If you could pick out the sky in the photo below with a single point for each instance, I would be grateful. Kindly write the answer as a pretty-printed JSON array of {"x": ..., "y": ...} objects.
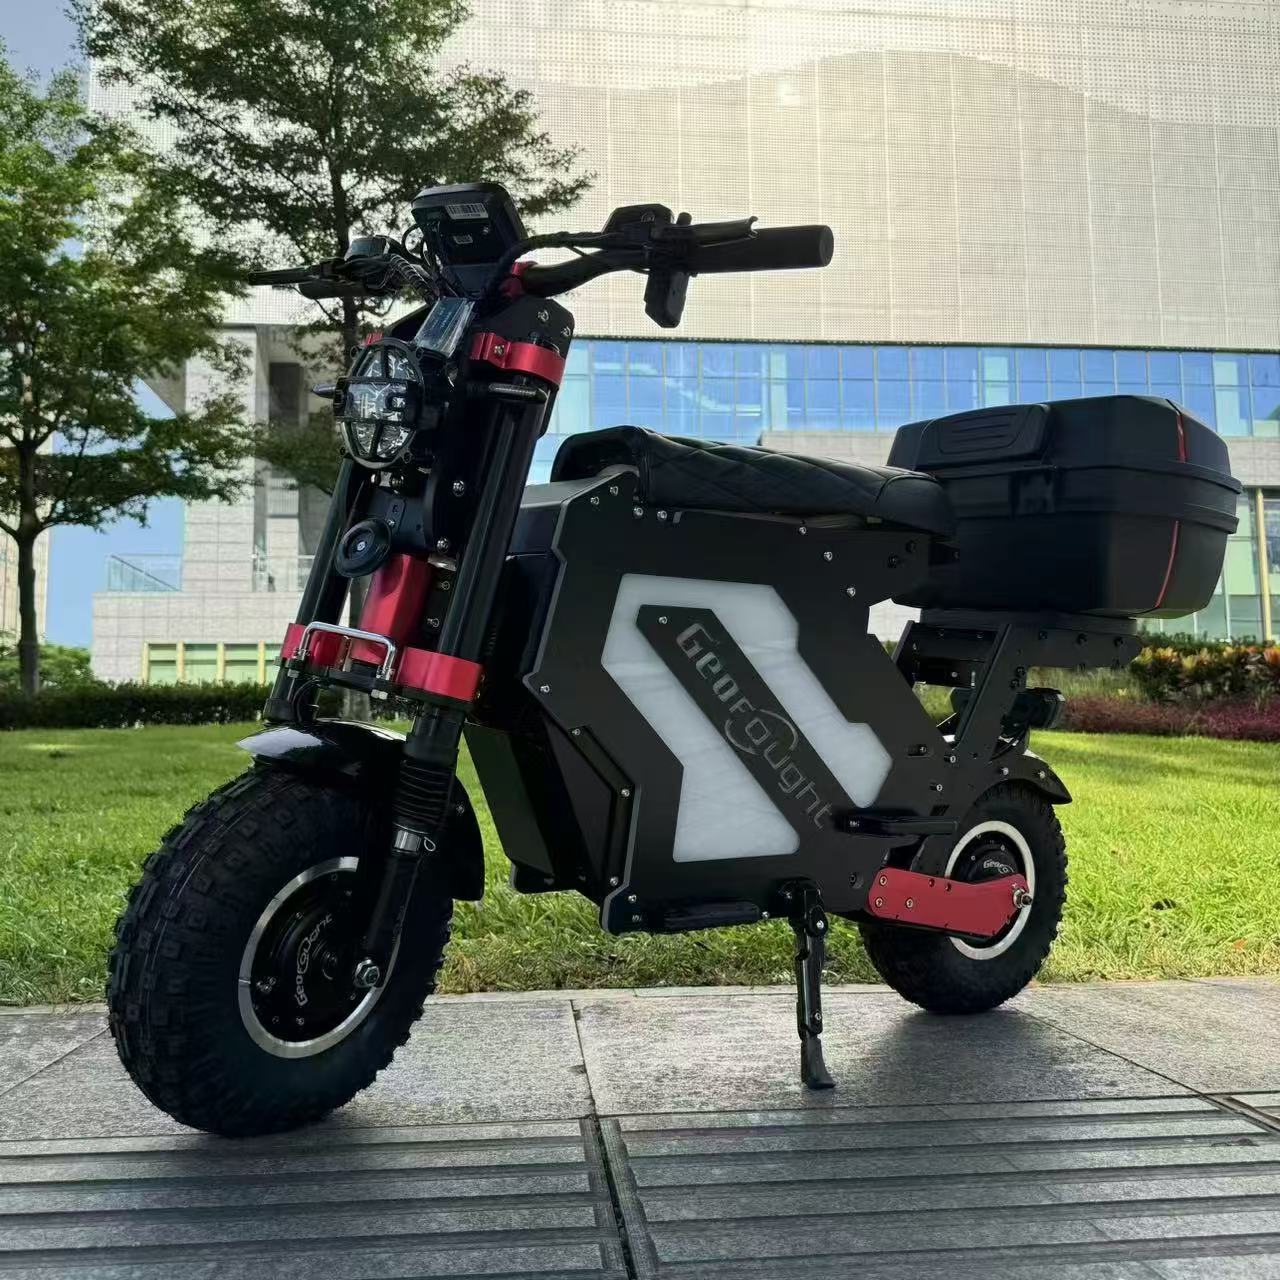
[{"x": 39, "y": 37}]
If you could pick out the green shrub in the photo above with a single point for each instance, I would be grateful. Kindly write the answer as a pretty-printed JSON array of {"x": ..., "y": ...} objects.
[
  {"x": 61, "y": 665},
  {"x": 1168, "y": 674},
  {"x": 105, "y": 706}
]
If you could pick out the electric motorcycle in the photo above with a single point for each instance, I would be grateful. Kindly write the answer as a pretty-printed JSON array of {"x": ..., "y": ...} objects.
[{"x": 661, "y": 665}]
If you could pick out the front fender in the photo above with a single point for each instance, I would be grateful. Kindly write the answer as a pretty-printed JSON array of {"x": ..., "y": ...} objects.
[{"x": 366, "y": 758}]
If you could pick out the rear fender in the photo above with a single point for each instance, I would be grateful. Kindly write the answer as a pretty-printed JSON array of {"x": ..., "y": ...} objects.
[
  {"x": 1027, "y": 767},
  {"x": 366, "y": 759}
]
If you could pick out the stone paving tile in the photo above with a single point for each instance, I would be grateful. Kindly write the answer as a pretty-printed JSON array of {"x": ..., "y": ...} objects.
[
  {"x": 463, "y": 1062},
  {"x": 742, "y": 1053},
  {"x": 1216, "y": 1037},
  {"x": 29, "y": 1043}
]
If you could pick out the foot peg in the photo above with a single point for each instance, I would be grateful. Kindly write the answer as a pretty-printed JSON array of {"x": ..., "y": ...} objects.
[{"x": 809, "y": 925}]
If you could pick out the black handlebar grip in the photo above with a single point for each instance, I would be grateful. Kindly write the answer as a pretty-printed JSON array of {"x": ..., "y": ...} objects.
[
  {"x": 287, "y": 275},
  {"x": 773, "y": 249}
]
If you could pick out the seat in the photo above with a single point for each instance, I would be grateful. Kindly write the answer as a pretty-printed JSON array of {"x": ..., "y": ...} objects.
[{"x": 683, "y": 473}]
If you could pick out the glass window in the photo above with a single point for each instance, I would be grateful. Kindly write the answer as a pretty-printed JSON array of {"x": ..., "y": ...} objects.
[
  {"x": 573, "y": 407},
  {"x": 644, "y": 357},
  {"x": 1032, "y": 366},
  {"x": 1199, "y": 400},
  {"x": 682, "y": 360},
  {"x": 928, "y": 399},
  {"x": 749, "y": 407},
  {"x": 750, "y": 359},
  {"x": 823, "y": 362},
  {"x": 579, "y": 360},
  {"x": 608, "y": 357},
  {"x": 1266, "y": 411},
  {"x": 1064, "y": 374},
  {"x": 1131, "y": 370},
  {"x": 823, "y": 404},
  {"x": 1162, "y": 367},
  {"x": 1232, "y": 404},
  {"x": 997, "y": 365},
  {"x": 891, "y": 363},
  {"x": 962, "y": 394},
  {"x": 1099, "y": 373},
  {"x": 1230, "y": 371},
  {"x": 994, "y": 393},
  {"x": 795, "y": 362},
  {"x": 608, "y": 399},
  {"x": 1032, "y": 392},
  {"x": 858, "y": 362},
  {"x": 859, "y": 396},
  {"x": 1170, "y": 390},
  {"x": 926, "y": 364},
  {"x": 1264, "y": 371},
  {"x": 1197, "y": 368},
  {"x": 893, "y": 404},
  {"x": 645, "y": 409},
  {"x": 717, "y": 358},
  {"x": 962, "y": 362}
]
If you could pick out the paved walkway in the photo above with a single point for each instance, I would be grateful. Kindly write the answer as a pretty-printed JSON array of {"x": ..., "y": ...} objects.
[{"x": 1109, "y": 1132}]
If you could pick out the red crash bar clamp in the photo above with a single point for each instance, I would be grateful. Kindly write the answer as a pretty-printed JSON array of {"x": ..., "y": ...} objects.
[
  {"x": 956, "y": 906},
  {"x": 518, "y": 357},
  {"x": 422, "y": 669}
]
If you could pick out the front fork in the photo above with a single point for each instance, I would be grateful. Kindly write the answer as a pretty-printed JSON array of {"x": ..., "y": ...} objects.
[{"x": 423, "y": 790}]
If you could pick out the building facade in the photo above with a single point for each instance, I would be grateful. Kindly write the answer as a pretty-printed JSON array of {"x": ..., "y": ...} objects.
[{"x": 1032, "y": 199}]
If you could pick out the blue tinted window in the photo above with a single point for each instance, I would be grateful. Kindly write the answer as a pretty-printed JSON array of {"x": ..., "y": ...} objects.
[
  {"x": 1131, "y": 369},
  {"x": 1099, "y": 368},
  {"x": 1232, "y": 404},
  {"x": 1197, "y": 368},
  {"x": 578, "y": 359},
  {"x": 1163, "y": 367},
  {"x": 928, "y": 399},
  {"x": 823, "y": 362},
  {"x": 1064, "y": 368},
  {"x": 1230, "y": 371},
  {"x": 893, "y": 404},
  {"x": 1032, "y": 367},
  {"x": 997, "y": 364},
  {"x": 1032, "y": 392},
  {"x": 682, "y": 360},
  {"x": 1199, "y": 400},
  {"x": 750, "y": 360},
  {"x": 891, "y": 363},
  {"x": 927, "y": 364},
  {"x": 859, "y": 403},
  {"x": 608, "y": 357},
  {"x": 823, "y": 403},
  {"x": 717, "y": 358},
  {"x": 994, "y": 393},
  {"x": 858, "y": 362},
  {"x": 962, "y": 394},
  {"x": 961, "y": 363},
  {"x": 1264, "y": 371},
  {"x": 646, "y": 400},
  {"x": 1266, "y": 416},
  {"x": 573, "y": 407},
  {"x": 644, "y": 357},
  {"x": 1170, "y": 391},
  {"x": 608, "y": 399}
]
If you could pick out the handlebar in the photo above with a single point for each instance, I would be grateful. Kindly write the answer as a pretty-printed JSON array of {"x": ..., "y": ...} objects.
[{"x": 775, "y": 249}]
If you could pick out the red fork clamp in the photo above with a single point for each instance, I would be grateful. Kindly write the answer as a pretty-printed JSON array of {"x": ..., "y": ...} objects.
[{"x": 980, "y": 910}]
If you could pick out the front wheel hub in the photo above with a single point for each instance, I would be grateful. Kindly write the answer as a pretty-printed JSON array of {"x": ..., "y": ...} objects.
[{"x": 301, "y": 990}]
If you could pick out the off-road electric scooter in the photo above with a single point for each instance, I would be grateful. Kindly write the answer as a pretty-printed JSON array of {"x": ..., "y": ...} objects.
[{"x": 661, "y": 664}]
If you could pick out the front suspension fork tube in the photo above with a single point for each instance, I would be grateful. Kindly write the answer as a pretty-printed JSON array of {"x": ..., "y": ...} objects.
[
  {"x": 429, "y": 762},
  {"x": 326, "y": 589}
]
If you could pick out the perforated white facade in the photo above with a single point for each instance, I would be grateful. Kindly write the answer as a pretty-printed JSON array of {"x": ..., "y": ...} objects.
[{"x": 1043, "y": 171}]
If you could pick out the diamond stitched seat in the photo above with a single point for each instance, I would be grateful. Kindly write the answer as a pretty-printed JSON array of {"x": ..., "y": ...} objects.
[{"x": 679, "y": 472}]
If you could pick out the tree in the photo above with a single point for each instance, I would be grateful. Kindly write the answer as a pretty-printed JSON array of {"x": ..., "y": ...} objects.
[
  {"x": 302, "y": 122},
  {"x": 82, "y": 324},
  {"x": 62, "y": 666}
]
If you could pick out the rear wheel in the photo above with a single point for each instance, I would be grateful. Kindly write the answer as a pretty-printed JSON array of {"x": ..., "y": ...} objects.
[
  {"x": 1010, "y": 830},
  {"x": 232, "y": 996}
]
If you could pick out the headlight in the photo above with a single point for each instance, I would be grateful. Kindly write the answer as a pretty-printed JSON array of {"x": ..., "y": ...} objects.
[{"x": 381, "y": 401}]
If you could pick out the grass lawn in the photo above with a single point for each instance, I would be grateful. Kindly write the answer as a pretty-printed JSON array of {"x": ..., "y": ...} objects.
[{"x": 1175, "y": 846}]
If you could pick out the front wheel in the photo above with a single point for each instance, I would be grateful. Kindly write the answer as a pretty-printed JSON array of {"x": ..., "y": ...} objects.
[
  {"x": 231, "y": 995},
  {"x": 1010, "y": 830}
]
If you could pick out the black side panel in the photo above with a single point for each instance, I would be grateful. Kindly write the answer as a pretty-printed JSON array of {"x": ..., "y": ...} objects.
[{"x": 365, "y": 759}]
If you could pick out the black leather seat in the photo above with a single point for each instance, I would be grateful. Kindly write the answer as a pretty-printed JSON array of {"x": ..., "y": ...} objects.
[{"x": 684, "y": 473}]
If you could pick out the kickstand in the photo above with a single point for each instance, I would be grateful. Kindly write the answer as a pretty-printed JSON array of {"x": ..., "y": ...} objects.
[{"x": 809, "y": 924}]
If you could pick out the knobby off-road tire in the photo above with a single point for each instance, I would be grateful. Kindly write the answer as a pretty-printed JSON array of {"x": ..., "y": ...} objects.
[
  {"x": 1012, "y": 824},
  {"x": 177, "y": 1012}
]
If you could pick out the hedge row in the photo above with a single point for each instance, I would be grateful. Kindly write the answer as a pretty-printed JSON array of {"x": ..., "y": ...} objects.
[
  {"x": 1232, "y": 671},
  {"x": 121, "y": 706},
  {"x": 1228, "y": 718}
]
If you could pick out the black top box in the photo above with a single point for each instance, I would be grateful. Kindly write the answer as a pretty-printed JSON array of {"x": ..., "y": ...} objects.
[{"x": 1117, "y": 506}]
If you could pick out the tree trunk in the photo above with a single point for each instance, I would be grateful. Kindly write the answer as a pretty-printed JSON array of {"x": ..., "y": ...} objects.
[{"x": 28, "y": 622}]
